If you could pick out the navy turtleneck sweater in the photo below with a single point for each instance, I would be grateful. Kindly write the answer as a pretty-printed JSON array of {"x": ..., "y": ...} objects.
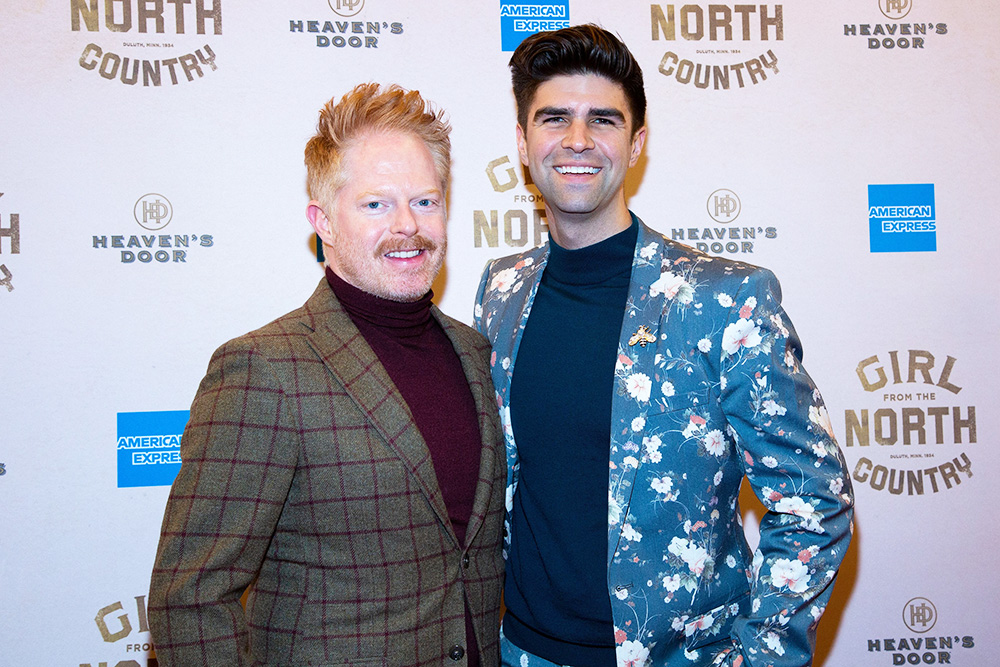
[
  {"x": 422, "y": 363},
  {"x": 556, "y": 590}
]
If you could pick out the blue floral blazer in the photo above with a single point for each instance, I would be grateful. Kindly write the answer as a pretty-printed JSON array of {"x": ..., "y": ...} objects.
[{"x": 709, "y": 388}]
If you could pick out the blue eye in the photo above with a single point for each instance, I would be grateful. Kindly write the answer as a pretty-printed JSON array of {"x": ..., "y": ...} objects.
[
  {"x": 424, "y": 202},
  {"x": 372, "y": 205}
]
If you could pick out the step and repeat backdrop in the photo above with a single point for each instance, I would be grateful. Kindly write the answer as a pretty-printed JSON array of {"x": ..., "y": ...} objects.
[{"x": 152, "y": 206}]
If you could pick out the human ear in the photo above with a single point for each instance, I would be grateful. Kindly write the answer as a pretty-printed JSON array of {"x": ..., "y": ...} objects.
[
  {"x": 320, "y": 223},
  {"x": 522, "y": 149},
  {"x": 638, "y": 141}
]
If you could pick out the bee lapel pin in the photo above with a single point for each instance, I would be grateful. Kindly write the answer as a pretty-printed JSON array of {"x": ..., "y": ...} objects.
[{"x": 642, "y": 336}]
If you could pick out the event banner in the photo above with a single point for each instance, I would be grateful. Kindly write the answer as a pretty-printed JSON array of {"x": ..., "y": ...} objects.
[{"x": 152, "y": 207}]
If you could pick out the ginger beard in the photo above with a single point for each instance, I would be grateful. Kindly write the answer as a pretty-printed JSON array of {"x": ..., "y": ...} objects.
[{"x": 399, "y": 278}]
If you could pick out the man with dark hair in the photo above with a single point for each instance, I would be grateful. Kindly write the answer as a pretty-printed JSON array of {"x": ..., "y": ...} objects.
[
  {"x": 639, "y": 381},
  {"x": 583, "y": 49},
  {"x": 345, "y": 461}
]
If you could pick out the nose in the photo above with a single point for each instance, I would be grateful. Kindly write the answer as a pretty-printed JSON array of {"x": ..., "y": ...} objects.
[
  {"x": 404, "y": 222},
  {"x": 577, "y": 137}
]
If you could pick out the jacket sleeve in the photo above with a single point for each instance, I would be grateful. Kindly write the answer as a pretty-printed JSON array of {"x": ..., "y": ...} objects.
[
  {"x": 785, "y": 440},
  {"x": 238, "y": 459}
]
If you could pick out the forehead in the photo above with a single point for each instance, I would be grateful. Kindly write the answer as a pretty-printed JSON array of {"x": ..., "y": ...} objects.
[
  {"x": 388, "y": 157},
  {"x": 580, "y": 92}
]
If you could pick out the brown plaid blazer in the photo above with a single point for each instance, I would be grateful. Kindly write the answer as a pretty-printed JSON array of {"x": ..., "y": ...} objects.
[{"x": 305, "y": 478}]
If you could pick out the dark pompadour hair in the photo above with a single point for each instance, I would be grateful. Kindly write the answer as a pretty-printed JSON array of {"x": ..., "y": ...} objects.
[{"x": 580, "y": 49}]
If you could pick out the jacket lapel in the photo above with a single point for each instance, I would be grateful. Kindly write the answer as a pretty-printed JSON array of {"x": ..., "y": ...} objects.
[
  {"x": 481, "y": 386},
  {"x": 350, "y": 359},
  {"x": 513, "y": 318},
  {"x": 645, "y": 309}
]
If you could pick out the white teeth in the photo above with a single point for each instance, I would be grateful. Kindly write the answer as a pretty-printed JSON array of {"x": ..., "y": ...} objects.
[
  {"x": 403, "y": 254},
  {"x": 577, "y": 170}
]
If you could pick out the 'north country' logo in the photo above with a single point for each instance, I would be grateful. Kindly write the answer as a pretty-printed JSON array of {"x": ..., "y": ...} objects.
[
  {"x": 709, "y": 45},
  {"x": 12, "y": 234},
  {"x": 912, "y": 415},
  {"x": 522, "y": 18},
  {"x": 519, "y": 211},
  {"x": 901, "y": 218},
  {"x": 128, "y": 631},
  {"x": 149, "y": 447},
  {"x": 135, "y": 31}
]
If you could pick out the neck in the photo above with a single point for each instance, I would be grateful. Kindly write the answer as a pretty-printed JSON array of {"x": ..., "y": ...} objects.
[
  {"x": 579, "y": 230},
  {"x": 404, "y": 317}
]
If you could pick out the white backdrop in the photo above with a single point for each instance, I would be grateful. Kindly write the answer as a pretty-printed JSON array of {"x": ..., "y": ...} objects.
[{"x": 822, "y": 115}]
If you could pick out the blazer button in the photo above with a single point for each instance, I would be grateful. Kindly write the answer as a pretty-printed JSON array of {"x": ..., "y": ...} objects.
[
  {"x": 456, "y": 653},
  {"x": 465, "y": 561}
]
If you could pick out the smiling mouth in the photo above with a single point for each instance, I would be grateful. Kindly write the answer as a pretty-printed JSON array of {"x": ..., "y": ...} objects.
[
  {"x": 578, "y": 170},
  {"x": 403, "y": 254}
]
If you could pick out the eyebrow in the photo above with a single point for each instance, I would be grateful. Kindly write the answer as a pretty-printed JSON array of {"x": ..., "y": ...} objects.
[
  {"x": 609, "y": 112},
  {"x": 388, "y": 192},
  {"x": 429, "y": 194}
]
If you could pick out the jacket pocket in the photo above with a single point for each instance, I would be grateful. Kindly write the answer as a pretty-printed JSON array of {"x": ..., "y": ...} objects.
[
  {"x": 685, "y": 400},
  {"x": 675, "y": 411},
  {"x": 709, "y": 628}
]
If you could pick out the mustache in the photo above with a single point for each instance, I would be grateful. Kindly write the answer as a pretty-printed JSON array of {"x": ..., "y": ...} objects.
[{"x": 415, "y": 242}]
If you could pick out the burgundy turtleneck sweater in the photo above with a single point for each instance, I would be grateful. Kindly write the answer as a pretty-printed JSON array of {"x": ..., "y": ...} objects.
[{"x": 423, "y": 364}]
